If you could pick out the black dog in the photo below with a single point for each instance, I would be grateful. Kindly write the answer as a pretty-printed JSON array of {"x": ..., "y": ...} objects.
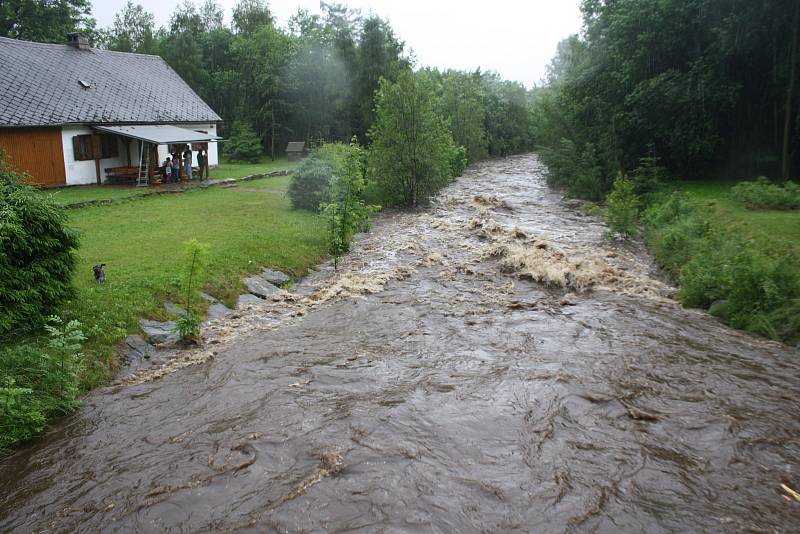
[{"x": 99, "y": 273}]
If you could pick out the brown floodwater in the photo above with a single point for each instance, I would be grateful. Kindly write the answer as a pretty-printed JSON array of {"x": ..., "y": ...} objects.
[{"x": 490, "y": 363}]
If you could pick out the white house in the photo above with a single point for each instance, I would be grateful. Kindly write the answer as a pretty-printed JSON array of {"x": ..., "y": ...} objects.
[{"x": 71, "y": 114}]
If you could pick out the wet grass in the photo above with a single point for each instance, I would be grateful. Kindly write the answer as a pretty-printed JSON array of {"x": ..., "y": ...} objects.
[
  {"x": 141, "y": 244},
  {"x": 226, "y": 169},
  {"x": 771, "y": 231}
]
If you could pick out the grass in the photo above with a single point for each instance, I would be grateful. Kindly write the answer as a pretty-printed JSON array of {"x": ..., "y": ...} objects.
[
  {"x": 141, "y": 244},
  {"x": 739, "y": 263},
  {"x": 771, "y": 231},
  {"x": 226, "y": 169}
]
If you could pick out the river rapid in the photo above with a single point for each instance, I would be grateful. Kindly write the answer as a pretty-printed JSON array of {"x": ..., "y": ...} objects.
[{"x": 490, "y": 363}]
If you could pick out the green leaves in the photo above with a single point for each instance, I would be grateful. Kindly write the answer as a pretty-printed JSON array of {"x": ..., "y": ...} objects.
[
  {"x": 412, "y": 150},
  {"x": 36, "y": 253}
]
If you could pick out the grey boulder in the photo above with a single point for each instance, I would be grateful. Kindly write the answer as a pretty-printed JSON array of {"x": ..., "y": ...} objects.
[
  {"x": 157, "y": 332},
  {"x": 275, "y": 277},
  {"x": 260, "y": 287}
]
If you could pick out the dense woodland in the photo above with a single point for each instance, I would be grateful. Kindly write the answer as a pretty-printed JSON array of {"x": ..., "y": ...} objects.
[
  {"x": 709, "y": 87},
  {"x": 314, "y": 80}
]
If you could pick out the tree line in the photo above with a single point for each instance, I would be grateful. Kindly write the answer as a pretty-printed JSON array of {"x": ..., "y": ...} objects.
[
  {"x": 708, "y": 87},
  {"x": 313, "y": 80}
]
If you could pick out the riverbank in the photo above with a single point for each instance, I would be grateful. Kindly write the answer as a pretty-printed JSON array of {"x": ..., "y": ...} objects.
[
  {"x": 739, "y": 264},
  {"x": 246, "y": 225}
]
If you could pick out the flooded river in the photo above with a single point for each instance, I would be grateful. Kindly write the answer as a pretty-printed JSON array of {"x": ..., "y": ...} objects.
[{"x": 488, "y": 364}]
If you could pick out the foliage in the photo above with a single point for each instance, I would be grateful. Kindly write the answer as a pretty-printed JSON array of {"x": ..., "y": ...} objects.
[
  {"x": 346, "y": 213},
  {"x": 623, "y": 207},
  {"x": 36, "y": 253},
  {"x": 46, "y": 22},
  {"x": 311, "y": 182},
  {"x": 244, "y": 144},
  {"x": 39, "y": 380},
  {"x": 458, "y": 161},
  {"x": 762, "y": 194},
  {"x": 578, "y": 171},
  {"x": 195, "y": 262},
  {"x": 649, "y": 176},
  {"x": 703, "y": 83},
  {"x": 412, "y": 150},
  {"x": 132, "y": 31},
  {"x": 746, "y": 286}
]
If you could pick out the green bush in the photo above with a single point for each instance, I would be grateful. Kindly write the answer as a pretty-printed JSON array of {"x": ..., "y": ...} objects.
[
  {"x": 346, "y": 213},
  {"x": 721, "y": 271},
  {"x": 39, "y": 380},
  {"x": 623, "y": 207},
  {"x": 311, "y": 181},
  {"x": 244, "y": 144},
  {"x": 36, "y": 253},
  {"x": 458, "y": 161},
  {"x": 762, "y": 194},
  {"x": 649, "y": 177}
]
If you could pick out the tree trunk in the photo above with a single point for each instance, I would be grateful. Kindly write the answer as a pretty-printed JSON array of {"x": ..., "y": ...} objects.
[
  {"x": 272, "y": 135},
  {"x": 787, "y": 119}
]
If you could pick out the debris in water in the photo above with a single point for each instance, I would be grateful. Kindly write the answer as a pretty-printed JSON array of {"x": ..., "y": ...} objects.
[{"x": 792, "y": 493}]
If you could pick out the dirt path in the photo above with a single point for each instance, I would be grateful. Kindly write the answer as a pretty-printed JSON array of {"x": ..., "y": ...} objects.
[{"x": 490, "y": 364}]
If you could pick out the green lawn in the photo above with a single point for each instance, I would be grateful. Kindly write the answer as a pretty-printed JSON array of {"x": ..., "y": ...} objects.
[
  {"x": 770, "y": 230},
  {"x": 226, "y": 169},
  {"x": 141, "y": 244}
]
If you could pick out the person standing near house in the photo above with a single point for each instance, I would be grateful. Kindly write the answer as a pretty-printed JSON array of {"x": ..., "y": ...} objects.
[
  {"x": 176, "y": 166},
  {"x": 166, "y": 170},
  {"x": 187, "y": 162},
  {"x": 201, "y": 161}
]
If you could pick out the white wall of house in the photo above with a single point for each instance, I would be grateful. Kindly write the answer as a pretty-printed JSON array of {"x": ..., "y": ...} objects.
[{"x": 84, "y": 172}]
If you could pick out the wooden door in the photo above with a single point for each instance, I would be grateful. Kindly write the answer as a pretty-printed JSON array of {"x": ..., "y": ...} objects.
[{"x": 37, "y": 151}]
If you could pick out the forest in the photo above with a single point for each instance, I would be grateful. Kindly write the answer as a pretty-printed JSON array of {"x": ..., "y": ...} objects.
[{"x": 706, "y": 86}]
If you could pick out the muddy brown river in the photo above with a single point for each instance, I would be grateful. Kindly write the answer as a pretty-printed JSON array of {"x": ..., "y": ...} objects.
[{"x": 488, "y": 364}]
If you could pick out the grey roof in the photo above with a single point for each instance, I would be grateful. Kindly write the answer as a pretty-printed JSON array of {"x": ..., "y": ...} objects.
[
  {"x": 296, "y": 146},
  {"x": 42, "y": 84}
]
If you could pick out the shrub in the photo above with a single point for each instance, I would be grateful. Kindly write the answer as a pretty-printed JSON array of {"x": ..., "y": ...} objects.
[
  {"x": 244, "y": 144},
  {"x": 762, "y": 194},
  {"x": 721, "y": 271},
  {"x": 346, "y": 213},
  {"x": 196, "y": 256},
  {"x": 649, "y": 177},
  {"x": 36, "y": 253},
  {"x": 458, "y": 161},
  {"x": 311, "y": 181},
  {"x": 39, "y": 381},
  {"x": 623, "y": 207}
]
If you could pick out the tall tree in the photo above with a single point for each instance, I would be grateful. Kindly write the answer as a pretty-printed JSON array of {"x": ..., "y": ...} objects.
[
  {"x": 44, "y": 21},
  {"x": 132, "y": 30},
  {"x": 411, "y": 152},
  {"x": 250, "y": 15}
]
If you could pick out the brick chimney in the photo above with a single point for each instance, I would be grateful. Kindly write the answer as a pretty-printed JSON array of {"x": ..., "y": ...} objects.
[{"x": 78, "y": 40}]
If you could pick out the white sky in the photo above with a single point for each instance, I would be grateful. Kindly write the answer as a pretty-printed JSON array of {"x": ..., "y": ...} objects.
[{"x": 517, "y": 38}]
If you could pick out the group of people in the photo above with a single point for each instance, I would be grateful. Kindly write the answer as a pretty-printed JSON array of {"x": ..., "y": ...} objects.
[{"x": 171, "y": 168}]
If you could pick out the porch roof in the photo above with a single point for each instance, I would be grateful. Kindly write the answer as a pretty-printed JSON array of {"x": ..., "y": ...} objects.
[{"x": 159, "y": 134}]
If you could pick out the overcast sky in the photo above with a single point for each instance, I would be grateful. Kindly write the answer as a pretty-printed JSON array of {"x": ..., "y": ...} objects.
[{"x": 517, "y": 38}]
